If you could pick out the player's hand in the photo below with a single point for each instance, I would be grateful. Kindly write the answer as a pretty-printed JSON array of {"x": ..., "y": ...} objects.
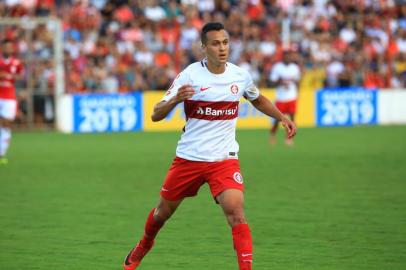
[
  {"x": 184, "y": 92},
  {"x": 287, "y": 82},
  {"x": 289, "y": 126}
]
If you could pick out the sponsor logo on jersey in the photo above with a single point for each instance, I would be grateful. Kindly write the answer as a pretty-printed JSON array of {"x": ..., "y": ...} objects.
[
  {"x": 218, "y": 110},
  {"x": 238, "y": 177},
  {"x": 214, "y": 112},
  {"x": 234, "y": 89}
]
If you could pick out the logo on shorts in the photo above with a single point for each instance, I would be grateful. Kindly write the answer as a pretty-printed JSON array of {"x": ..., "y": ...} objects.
[
  {"x": 238, "y": 178},
  {"x": 234, "y": 89}
]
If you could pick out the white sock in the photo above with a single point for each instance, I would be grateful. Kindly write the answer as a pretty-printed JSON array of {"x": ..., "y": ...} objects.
[{"x": 5, "y": 137}]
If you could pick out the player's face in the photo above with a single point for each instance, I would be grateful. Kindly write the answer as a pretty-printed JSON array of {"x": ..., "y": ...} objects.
[
  {"x": 287, "y": 58},
  {"x": 8, "y": 49},
  {"x": 217, "y": 47}
]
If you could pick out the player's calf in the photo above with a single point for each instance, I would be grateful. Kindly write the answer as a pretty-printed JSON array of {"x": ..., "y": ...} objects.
[{"x": 243, "y": 246}]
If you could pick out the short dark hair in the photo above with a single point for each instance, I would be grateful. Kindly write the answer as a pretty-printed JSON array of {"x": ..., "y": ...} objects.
[
  {"x": 6, "y": 40},
  {"x": 211, "y": 26}
]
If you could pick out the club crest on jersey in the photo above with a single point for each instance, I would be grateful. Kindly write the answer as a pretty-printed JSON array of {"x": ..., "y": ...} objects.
[
  {"x": 238, "y": 177},
  {"x": 234, "y": 89}
]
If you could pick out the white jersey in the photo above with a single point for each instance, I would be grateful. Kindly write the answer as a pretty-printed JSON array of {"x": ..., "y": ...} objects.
[
  {"x": 211, "y": 114},
  {"x": 290, "y": 72}
]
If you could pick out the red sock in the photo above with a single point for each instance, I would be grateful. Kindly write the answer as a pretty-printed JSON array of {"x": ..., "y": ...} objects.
[
  {"x": 243, "y": 245},
  {"x": 152, "y": 228}
]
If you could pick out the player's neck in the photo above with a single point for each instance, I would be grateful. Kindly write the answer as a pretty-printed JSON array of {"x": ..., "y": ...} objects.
[{"x": 216, "y": 68}]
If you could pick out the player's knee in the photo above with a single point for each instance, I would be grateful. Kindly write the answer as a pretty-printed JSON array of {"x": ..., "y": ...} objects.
[
  {"x": 162, "y": 213},
  {"x": 235, "y": 216},
  {"x": 162, "y": 216},
  {"x": 159, "y": 217},
  {"x": 5, "y": 123},
  {"x": 238, "y": 220}
]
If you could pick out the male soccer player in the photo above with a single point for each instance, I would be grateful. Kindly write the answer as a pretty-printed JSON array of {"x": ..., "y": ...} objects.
[
  {"x": 207, "y": 151},
  {"x": 285, "y": 75},
  {"x": 9, "y": 68}
]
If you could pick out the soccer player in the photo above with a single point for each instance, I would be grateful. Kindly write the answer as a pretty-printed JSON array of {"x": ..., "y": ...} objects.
[
  {"x": 285, "y": 76},
  {"x": 10, "y": 67},
  {"x": 207, "y": 151}
]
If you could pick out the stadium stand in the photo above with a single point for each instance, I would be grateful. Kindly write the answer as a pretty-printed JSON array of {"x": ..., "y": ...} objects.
[{"x": 129, "y": 45}]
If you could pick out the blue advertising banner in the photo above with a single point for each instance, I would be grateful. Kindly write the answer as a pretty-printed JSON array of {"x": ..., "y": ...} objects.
[
  {"x": 346, "y": 107},
  {"x": 107, "y": 113}
]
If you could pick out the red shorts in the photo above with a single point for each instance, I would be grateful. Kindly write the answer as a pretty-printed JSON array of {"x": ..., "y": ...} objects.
[
  {"x": 286, "y": 107},
  {"x": 185, "y": 178}
]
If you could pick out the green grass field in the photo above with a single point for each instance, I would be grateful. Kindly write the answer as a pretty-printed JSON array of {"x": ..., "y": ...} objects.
[{"x": 336, "y": 200}]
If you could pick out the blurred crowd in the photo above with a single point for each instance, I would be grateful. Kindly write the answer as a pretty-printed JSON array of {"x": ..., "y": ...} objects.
[{"x": 129, "y": 45}]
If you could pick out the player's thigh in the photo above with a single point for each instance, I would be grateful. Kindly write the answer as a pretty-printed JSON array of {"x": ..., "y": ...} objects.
[
  {"x": 231, "y": 199},
  {"x": 224, "y": 175},
  {"x": 183, "y": 179},
  {"x": 166, "y": 208}
]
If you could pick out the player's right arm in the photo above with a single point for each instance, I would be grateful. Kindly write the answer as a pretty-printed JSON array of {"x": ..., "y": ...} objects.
[
  {"x": 179, "y": 91},
  {"x": 163, "y": 108}
]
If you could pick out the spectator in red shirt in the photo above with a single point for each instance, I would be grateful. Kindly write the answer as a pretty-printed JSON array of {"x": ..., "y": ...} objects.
[{"x": 10, "y": 67}]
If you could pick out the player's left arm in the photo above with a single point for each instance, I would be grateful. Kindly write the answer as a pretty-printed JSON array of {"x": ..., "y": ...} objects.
[{"x": 265, "y": 105}]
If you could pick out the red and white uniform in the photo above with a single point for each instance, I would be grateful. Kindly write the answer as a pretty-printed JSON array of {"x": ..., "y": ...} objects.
[
  {"x": 286, "y": 91},
  {"x": 207, "y": 150},
  {"x": 9, "y": 67},
  {"x": 212, "y": 111}
]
